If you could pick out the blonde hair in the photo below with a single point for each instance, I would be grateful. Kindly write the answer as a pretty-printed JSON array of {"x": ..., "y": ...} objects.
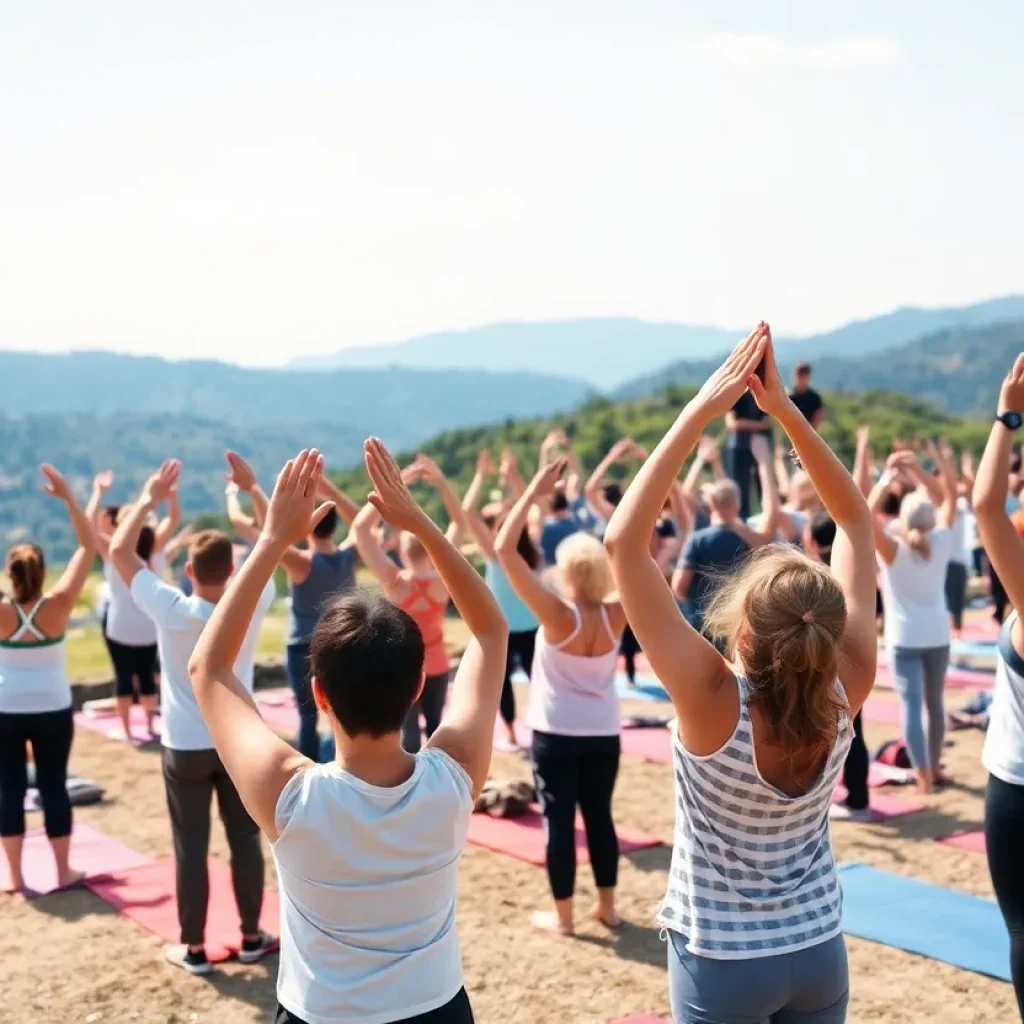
[
  {"x": 586, "y": 571},
  {"x": 783, "y": 616},
  {"x": 724, "y": 493},
  {"x": 916, "y": 522},
  {"x": 411, "y": 548}
]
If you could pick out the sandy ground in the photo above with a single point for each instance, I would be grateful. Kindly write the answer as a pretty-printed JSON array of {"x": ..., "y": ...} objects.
[{"x": 68, "y": 957}]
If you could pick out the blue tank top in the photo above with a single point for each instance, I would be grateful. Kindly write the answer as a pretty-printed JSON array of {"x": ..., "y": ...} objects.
[
  {"x": 329, "y": 575},
  {"x": 519, "y": 618}
]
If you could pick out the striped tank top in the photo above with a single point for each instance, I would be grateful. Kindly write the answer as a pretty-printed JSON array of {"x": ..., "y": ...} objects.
[{"x": 753, "y": 873}]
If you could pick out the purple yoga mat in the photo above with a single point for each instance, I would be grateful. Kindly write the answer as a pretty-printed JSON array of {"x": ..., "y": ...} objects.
[
  {"x": 109, "y": 725},
  {"x": 91, "y": 851}
]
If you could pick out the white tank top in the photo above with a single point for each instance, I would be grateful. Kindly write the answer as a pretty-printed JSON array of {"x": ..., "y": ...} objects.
[
  {"x": 127, "y": 623},
  {"x": 368, "y": 878},
  {"x": 33, "y": 673},
  {"x": 753, "y": 873},
  {"x": 574, "y": 694},
  {"x": 1003, "y": 755}
]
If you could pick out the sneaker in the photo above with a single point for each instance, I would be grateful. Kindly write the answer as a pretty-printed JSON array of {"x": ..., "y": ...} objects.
[
  {"x": 188, "y": 960},
  {"x": 254, "y": 950},
  {"x": 506, "y": 746},
  {"x": 840, "y": 812}
]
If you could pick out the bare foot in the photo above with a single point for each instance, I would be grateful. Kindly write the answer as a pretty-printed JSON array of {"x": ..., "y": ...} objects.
[
  {"x": 547, "y": 921},
  {"x": 609, "y": 920},
  {"x": 69, "y": 878},
  {"x": 13, "y": 887}
]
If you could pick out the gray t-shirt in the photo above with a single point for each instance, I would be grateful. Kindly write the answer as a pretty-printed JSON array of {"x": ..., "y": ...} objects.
[
  {"x": 329, "y": 575},
  {"x": 709, "y": 554}
]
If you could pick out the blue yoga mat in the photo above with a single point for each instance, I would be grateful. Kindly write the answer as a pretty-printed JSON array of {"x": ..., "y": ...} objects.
[
  {"x": 973, "y": 649},
  {"x": 647, "y": 688},
  {"x": 941, "y": 924}
]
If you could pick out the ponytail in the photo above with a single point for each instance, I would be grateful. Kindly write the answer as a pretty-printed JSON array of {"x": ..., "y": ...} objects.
[{"x": 27, "y": 570}]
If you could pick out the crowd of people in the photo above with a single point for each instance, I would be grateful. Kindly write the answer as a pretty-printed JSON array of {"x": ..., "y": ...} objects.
[{"x": 756, "y": 597}]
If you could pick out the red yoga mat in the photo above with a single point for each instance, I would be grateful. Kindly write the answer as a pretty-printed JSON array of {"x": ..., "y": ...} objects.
[
  {"x": 882, "y": 711},
  {"x": 974, "y": 842},
  {"x": 91, "y": 851},
  {"x": 146, "y": 895},
  {"x": 523, "y": 837}
]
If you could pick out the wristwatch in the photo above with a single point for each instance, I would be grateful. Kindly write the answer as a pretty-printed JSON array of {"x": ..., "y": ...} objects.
[{"x": 1011, "y": 420}]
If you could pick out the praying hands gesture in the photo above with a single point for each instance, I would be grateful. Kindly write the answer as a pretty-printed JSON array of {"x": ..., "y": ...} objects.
[
  {"x": 158, "y": 487},
  {"x": 293, "y": 511},
  {"x": 390, "y": 495}
]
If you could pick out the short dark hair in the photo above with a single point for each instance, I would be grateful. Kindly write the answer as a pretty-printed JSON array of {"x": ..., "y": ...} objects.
[
  {"x": 327, "y": 525},
  {"x": 613, "y": 494},
  {"x": 559, "y": 502},
  {"x": 146, "y": 543},
  {"x": 368, "y": 655},
  {"x": 803, "y": 369},
  {"x": 113, "y": 511},
  {"x": 823, "y": 533},
  {"x": 528, "y": 550},
  {"x": 212, "y": 557},
  {"x": 892, "y": 501}
]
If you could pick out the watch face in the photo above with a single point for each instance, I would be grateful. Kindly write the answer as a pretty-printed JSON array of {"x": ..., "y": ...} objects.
[{"x": 1012, "y": 420}]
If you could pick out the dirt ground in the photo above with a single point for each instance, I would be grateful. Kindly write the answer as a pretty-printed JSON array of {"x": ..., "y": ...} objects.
[{"x": 69, "y": 957}]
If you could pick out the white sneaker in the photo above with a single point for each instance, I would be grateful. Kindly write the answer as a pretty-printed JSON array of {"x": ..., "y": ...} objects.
[
  {"x": 840, "y": 812},
  {"x": 183, "y": 957},
  {"x": 253, "y": 952}
]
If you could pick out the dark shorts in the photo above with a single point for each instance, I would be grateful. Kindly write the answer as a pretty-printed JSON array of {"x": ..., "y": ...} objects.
[
  {"x": 131, "y": 663},
  {"x": 458, "y": 1011}
]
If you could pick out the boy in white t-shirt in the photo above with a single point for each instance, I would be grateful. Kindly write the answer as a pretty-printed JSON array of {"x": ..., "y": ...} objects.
[
  {"x": 191, "y": 768},
  {"x": 367, "y": 847}
]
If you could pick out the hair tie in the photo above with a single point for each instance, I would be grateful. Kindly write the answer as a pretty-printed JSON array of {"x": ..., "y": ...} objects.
[{"x": 808, "y": 618}]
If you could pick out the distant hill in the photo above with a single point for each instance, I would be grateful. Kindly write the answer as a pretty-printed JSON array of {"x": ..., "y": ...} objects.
[
  {"x": 959, "y": 370},
  {"x": 608, "y": 352}
]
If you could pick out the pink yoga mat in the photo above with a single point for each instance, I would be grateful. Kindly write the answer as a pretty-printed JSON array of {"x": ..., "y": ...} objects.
[
  {"x": 91, "y": 851},
  {"x": 146, "y": 895},
  {"x": 649, "y": 744},
  {"x": 523, "y": 837},
  {"x": 109, "y": 725},
  {"x": 956, "y": 678},
  {"x": 883, "y": 805},
  {"x": 882, "y": 711},
  {"x": 971, "y": 841},
  {"x": 640, "y": 1018}
]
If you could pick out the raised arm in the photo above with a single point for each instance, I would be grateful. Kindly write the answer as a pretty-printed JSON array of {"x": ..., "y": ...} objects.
[
  {"x": 999, "y": 536},
  {"x": 259, "y": 762},
  {"x": 467, "y": 731},
  {"x": 177, "y": 542},
  {"x": 509, "y": 477},
  {"x": 430, "y": 473},
  {"x": 72, "y": 581},
  {"x": 782, "y": 468},
  {"x": 863, "y": 461},
  {"x": 125, "y": 541},
  {"x": 853, "y": 562},
  {"x": 593, "y": 490},
  {"x": 470, "y": 507},
  {"x": 574, "y": 471},
  {"x": 244, "y": 525},
  {"x": 373, "y": 555},
  {"x": 942, "y": 455},
  {"x": 347, "y": 508},
  {"x": 689, "y": 667},
  {"x": 554, "y": 614},
  {"x": 101, "y": 483},
  {"x": 167, "y": 526}
]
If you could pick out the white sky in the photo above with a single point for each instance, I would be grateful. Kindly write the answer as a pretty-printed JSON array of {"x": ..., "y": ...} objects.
[{"x": 256, "y": 180}]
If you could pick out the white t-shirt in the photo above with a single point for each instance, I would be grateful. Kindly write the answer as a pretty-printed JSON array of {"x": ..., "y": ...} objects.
[
  {"x": 1003, "y": 755},
  {"x": 179, "y": 621},
  {"x": 960, "y": 553},
  {"x": 126, "y": 623},
  {"x": 914, "y": 594},
  {"x": 368, "y": 879}
]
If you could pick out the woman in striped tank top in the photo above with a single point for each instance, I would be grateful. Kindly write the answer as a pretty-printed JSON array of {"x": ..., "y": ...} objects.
[{"x": 753, "y": 904}]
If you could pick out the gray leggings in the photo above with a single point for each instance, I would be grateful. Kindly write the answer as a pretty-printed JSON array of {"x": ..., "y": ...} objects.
[
  {"x": 810, "y": 986},
  {"x": 920, "y": 679}
]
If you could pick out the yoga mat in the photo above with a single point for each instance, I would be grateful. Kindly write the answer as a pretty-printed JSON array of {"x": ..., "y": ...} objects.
[
  {"x": 523, "y": 837},
  {"x": 974, "y": 648},
  {"x": 956, "y": 678},
  {"x": 646, "y": 689},
  {"x": 640, "y": 1018},
  {"x": 941, "y": 924},
  {"x": 884, "y": 805},
  {"x": 146, "y": 895},
  {"x": 91, "y": 851},
  {"x": 882, "y": 711},
  {"x": 974, "y": 842},
  {"x": 649, "y": 744},
  {"x": 110, "y": 727}
]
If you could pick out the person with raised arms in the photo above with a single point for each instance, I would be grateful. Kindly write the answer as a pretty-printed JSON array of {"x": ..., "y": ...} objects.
[
  {"x": 522, "y": 623},
  {"x": 573, "y": 706},
  {"x": 753, "y": 907},
  {"x": 419, "y": 591},
  {"x": 1003, "y": 755},
  {"x": 35, "y": 697},
  {"x": 367, "y": 847},
  {"x": 192, "y": 770}
]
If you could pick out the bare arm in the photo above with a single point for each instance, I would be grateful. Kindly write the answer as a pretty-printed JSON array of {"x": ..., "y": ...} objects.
[
  {"x": 373, "y": 555},
  {"x": 347, "y": 508},
  {"x": 72, "y": 581},
  {"x": 884, "y": 544},
  {"x": 470, "y": 504},
  {"x": 431, "y": 473},
  {"x": 123, "y": 545},
  {"x": 862, "y": 461},
  {"x": 245, "y": 526},
  {"x": 167, "y": 526},
  {"x": 593, "y": 490},
  {"x": 781, "y": 469},
  {"x": 947, "y": 474},
  {"x": 100, "y": 485}
]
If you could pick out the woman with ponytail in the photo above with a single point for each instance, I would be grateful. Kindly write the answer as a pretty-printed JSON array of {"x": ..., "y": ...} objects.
[
  {"x": 753, "y": 908},
  {"x": 35, "y": 698},
  {"x": 913, "y": 556}
]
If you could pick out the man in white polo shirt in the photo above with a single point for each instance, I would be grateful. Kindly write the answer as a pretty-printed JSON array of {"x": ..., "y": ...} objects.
[{"x": 192, "y": 770}]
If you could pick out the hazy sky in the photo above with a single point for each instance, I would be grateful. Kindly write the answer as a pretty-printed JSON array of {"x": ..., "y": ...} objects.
[{"x": 256, "y": 180}]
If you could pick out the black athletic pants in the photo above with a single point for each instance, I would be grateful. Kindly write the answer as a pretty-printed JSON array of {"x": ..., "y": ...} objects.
[
  {"x": 999, "y": 596},
  {"x": 458, "y": 1011},
  {"x": 1004, "y": 843},
  {"x": 855, "y": 770},
  {"x": 430, "y": 705},
  {"x": 741, "y": 466},
  {"x": 629, "y": 648},
  {"x": 956, "y": 592},
  {"x": 50, "y": 733},
  {"x": 571, "y": 772},
  {"x": 520, "y": 648}
]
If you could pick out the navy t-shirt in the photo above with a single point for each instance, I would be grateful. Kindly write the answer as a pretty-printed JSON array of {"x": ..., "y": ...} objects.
[
  {"x": 709, "y": 553},
  {"x": 554, "y": 532},
  {"x": 808, "y": 402},
  {"x": 746, "y": 408}
]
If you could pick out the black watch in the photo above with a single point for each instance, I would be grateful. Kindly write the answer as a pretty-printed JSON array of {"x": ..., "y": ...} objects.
[{"x": 1011, "y": 420}]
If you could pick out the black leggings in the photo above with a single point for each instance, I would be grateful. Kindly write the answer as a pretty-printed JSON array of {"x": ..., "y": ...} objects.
[
  {"x": 129, "y": 662},
  {"x": 571, "y": 771},
  {"x": 629, "y": 649},
  {"x": 458, "y": 1011},
  {"x": 956, "y": 592},
  {"x": 1004, "y": 843},
  {"x": 855, "y": 770},
  {"x": 431, "y": 705},
  {"x": 520, "y": 648},
  {"x": 999, "y": 597},
  {"x": 50, "y": 733}
]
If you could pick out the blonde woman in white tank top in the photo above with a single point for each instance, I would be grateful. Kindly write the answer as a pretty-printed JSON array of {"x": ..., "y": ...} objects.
[
  {"x": 753, "y": 909},
  {"x": 573, "y": 704},
  {"x": 35, "y": 698}
]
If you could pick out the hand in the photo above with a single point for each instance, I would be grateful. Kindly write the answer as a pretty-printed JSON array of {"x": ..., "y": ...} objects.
[
  {"x": 638, "y": 451},
  {"x": 771, "y": 396},
  {"x": 231, "y": 489},
  {"x": 707, "y": 450},
  {"x": 509, "y": 464},
  {"x": 544, "y": 483},
  {"x": 760, "y": 449},
  {"x": 946, "y": 451},
  {"x": 723, "y": 388},
  {"x": 429, "y": 470},
  {"x": 159, "y": 486},
  {"x": 390, "y": 495},
  {"x": 241, "y": 472},
  {"x": 292, "y": 512},
  {"x": 552, "y": 441},
  {"x": 411, "y": 473},
  {"x": 1011, "y": 395},
  {"x": 102, "y": 482},
  {"x": 902, "y": 461},
  {"x": 56, "y": 486},
  {"x": 484, "y": 465},
  {"x": 622, "y": 449},
  {"x": 863, "y": 436}
]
